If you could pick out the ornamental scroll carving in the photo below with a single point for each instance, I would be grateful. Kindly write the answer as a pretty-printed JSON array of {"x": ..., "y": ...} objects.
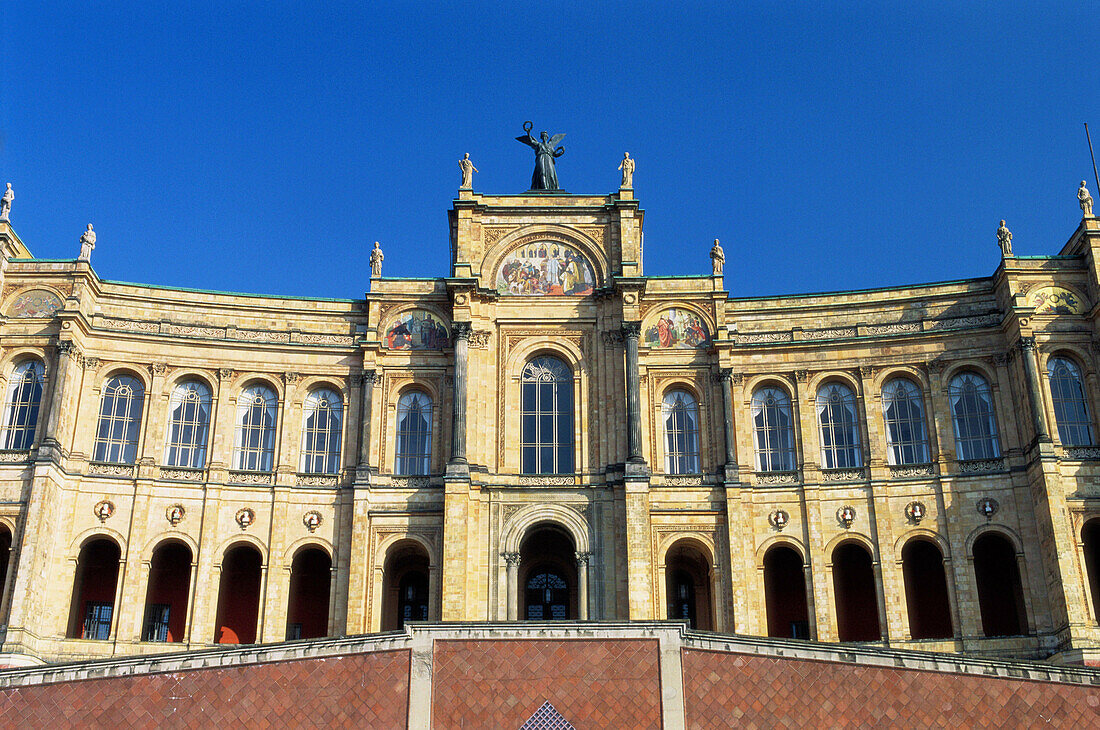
[
  {"x": 981, "y": 466},
  {"x": 912, "y": 470},
  {"x": 251, "y": 477},
  {"x": 547, "y": 481},
  {"x": 843, "y": 475},
  {"x": 111, "y": 470},
  {"x": 317, "y": 480},
  {"x": 772, "y": 478},
  {"x": 479, "y": 339},
  {"x": 186, "y": 475}
]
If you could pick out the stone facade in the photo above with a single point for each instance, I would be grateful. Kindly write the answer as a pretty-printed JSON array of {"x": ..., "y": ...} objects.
[{"x": 469, "y": 512}]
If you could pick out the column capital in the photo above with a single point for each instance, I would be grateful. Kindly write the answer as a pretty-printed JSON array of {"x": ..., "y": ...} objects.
[
  {"x": 1026, "y": 343},
  {"x": 511, "y": 558},
  {"x": 369, "y": 377},
  {"x": 582, "y": 558},
  {"x": 461, "y": 330},
  {"x": 631, "y": 330}
]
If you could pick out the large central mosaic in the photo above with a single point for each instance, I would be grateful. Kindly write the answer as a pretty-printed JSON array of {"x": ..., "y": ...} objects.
[{"x": 545, "y": 268}]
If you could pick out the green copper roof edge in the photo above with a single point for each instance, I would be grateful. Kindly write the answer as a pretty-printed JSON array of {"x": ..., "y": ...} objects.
[
  {"x": 227, "y": 293},
  {"x": 1055, "y": 257},
  {"x": 676, "y": 276},
  {"x": 988, "y": 279},
  {"x": 412, "y": 278},
  {"x": 43, "y": 261}
]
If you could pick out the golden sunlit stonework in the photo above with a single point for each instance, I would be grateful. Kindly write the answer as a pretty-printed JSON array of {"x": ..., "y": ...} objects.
[{"x": 549, "y": 433}]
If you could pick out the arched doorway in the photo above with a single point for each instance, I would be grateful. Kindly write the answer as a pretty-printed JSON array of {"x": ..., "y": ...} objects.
[
  {"x": 310, "y": 580},
  {"x": 856, "y": 595},
  {"x": 687, "y": 585},
  {"x": 926, "y": 590},
  {"x": 1000, "y": 591},
  {"x": 548, "y": 575},
  {"x": 1090, "y": 536},
  {"x": 785, "y": 593},
  {"x": 405, "y": 585},
  {"x": 239, "y": 596},
  {"x": 94, "y": 587},
  {"x": 166, "y": 599}
]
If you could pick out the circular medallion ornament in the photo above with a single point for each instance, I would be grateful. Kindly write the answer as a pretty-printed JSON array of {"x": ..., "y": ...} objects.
[
  {"x": 778, "y": 519},
  {"x": 915, "y": 511},
  {"x": 846, "y": 515},
  {"x": 245, "y": 517},
  {"x": 987, "y": 506},
  {"x": 174, "y": 514},
  {"x": 104, "y": 509},
  {"x": 312, "y": 520}
]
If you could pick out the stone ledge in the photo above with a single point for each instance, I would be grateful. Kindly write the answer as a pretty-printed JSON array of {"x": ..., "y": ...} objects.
[{"x": 672, "y": 635}]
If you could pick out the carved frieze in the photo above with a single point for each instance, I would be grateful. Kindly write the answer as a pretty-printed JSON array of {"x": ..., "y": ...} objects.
[{"x": 317, "y": 480}]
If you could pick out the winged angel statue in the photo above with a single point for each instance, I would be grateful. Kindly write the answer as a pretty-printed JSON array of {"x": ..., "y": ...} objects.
[{"x": 546, "y": 149}]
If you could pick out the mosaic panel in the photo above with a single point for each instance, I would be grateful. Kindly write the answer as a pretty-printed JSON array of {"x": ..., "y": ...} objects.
[{"x": 545, "y": 268}]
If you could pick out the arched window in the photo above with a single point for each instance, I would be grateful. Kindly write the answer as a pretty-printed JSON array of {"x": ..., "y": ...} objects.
[
  {"x": 906, "y": 435},
  {"x": 188, "y": 425},
  {"x": 972, "y": 412},
  {"x": 322, "y": 416},
  {"x": 1070, "y": 405},
  {"x": 773, "y": 430},
  {"x": 254, "y": 445},
  {"x": 21, "y": 408},
  {"x": 681, "y": 418},
  {"x": 836, "y": 412},
  {"x": 414, "y": 434},
  {"x": 547, "y": 416},
  {"x": 119, "y": 420}
]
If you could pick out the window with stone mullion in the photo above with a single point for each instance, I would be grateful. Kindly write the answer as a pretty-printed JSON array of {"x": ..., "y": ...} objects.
[
  {"x": 1070, "y": 404},
  {"x": 546, "y": 414},
  {"x": 189, "y": 426},
  {"x": 972, "y": 412},
  {"x": 119, "y": 421},
  {"x": 681, "y": 417},
  {"x": 321, "y": 426},
  {"x": 773, "y": 430},
  {"x": 906, "y": 434},
  {"x": 255, "y": 442},
  {"x": 21, "y": 409},
  {"x": 840, "y": 445},
  {"x": 414, "y": 434}
]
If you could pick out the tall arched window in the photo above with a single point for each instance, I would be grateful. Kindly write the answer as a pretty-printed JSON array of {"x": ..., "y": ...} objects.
[
  {"x": 547, "y": 417},
  {"x": 773, "y": 430},
  {"x": 972, "y": 412},
  {"x": 414, "y": 434},
  {"x": 188, "y": 425},
  {"x": 681, "y": 418},
  {"x": 21, "y": 408},
  {"x": 1070, "y": 405},
  {"x": 254, "y": 445},
  {"x": 836, "y": 413},
  {"x": 903, "y": 410},
  {"x": 119, "y": 420},
  {"x": 322, "y": 416}
]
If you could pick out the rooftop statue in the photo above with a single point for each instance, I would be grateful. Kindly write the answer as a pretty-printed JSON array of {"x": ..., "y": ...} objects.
[
  {"x": 1004, "y": 239},
  {"x": 546, "y": 149},
  {"x": 627, "y": 166},
  {"x": 5, "y": 203},
  {"x": 1083, "y": 198},
  {"x": 87, "y": 243},
  {"x": 468, "y": 171},
  {"x": 717, "y": 257},
  {"x": 376, "y": 257}
]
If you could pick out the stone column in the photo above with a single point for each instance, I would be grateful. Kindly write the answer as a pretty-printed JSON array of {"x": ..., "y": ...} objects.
[
  {"x": 365, "y": 410},
  {"x": 458, "y": 427},
  {"x": 66, "y": 353},
  {"x": 726, "y": 378},
  {"x": 582, "y": 585},
  {"x": 1034, "y": 395},
  {"x": 631, "y": 331},
  {"x": 512, "y": 609}
]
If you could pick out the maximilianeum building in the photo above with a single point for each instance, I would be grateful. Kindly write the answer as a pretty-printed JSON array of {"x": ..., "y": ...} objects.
[{"x": 548, "y": 433}]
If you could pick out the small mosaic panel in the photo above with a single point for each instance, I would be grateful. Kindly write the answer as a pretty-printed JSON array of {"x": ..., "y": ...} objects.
[
  {"x": 35, "y": 303},
  {"x": 417, "y": 330},
  {"x": 678, "y": 328},
  {"x": 547, "y": 718},
  {"x": 1056, "y": 300}
]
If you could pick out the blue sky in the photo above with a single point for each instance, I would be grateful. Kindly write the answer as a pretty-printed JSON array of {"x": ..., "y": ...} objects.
[{"x": 263, "y": 147}]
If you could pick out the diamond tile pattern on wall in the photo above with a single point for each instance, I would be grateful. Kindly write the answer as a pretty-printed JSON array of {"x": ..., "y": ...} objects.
[
  {"x": 501, "y": 683},
  {"x": 745, "y": 691},
  {"x": 368, "y": 690}
]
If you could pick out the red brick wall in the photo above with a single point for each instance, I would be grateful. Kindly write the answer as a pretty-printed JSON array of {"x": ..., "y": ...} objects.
[
  {"x": 360, "y": 690},
  {"x": 746, "y": 691},
  {"x": 593, "y": 684}
]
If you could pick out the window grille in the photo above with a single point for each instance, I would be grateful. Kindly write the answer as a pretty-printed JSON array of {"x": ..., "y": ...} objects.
[
  {"x": 21, "y": 409},
  {"x": 189, "y": 425},
  {"x": 293, "y": 631},
  {"x": 773, "y": 430},
  {"x": 254, "y": 445},
  {"x": 119, "y": 420},
  {"x": 972, "y": 412},
  {"x": 547, "y": 597},
  {"x": 414, "y": 434},
  {"x": 906, "y": 433},
  {"x": 1071, "y": 409},
  {"x": 547, "y": 417},
  {"x": 323, "y": 415},
  {"x": 836, "y": 413},
  {"x": 413, "y": 598},
  {"x": 681, "y": 418},
  {"x": 156, "y": 622},
  {"x": 97, "y": 620}
]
